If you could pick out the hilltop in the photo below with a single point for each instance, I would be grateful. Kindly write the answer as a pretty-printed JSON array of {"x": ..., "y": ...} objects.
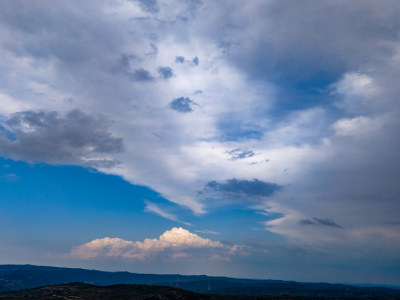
[{"x": 23, "y": 277}]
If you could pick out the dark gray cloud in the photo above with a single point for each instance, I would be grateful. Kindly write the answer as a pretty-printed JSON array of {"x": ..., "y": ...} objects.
[
  {"x": 320, "y": 222},
  {"x": 74, "y": 138},
  {"x": 237, "y": 192},
  {"x": 195, "y": 61},
  {"x": 240, "y": 154},
  {"x": 182, "y": 104},
  {"x": 140, "y": 75},
  {"x": 123, "y": 66},
  {"x": 154, "y": 52},
  {"x": 253, "y": 187},
  {"x": 239, "y": 131},
  {"x": 150, "y": 6},
  {"x": 179, "y": 59},
  {"x": 321, "y": 38},
  {"x": 264, "y": 161},
  {"x": 165, "y": 72},
  {"x": 80, "y": 41}
]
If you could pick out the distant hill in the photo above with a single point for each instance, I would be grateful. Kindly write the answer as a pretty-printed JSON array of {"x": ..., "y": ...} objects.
[
  {"x": 120, "y": 291},
  {"x": 22, "y": 277}
]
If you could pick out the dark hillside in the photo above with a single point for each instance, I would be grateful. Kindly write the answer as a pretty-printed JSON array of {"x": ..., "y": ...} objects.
[
  {"x": 121, "y": 291},
  {"x": 22, "y": 277}
]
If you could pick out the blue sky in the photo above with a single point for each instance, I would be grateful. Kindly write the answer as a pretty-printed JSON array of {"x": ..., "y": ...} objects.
[{"x": 241, "y": 138}]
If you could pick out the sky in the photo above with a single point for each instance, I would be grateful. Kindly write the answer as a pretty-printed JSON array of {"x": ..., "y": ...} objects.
[{"x": 253, "y": 139}]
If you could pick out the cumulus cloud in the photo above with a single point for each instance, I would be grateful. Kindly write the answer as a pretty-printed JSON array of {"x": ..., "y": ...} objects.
[
  {"x": 177, "y": 242},
  {"x": 74, "y": 138}
]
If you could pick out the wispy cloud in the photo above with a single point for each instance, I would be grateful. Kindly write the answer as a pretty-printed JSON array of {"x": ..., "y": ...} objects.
[
  {"x": 207, "y": 231},
  {"x": 10, "y": 177},
  {"x": 156, "y": 209}
]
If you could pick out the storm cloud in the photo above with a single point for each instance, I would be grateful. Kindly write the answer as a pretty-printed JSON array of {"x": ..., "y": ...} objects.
[{"x": 74, "y": 138}]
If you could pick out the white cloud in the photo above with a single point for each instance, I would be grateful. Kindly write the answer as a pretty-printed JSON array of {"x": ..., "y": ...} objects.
[
  {"x": 176, "y": 243},
  {"x": 356, "y": 84},
  {"x": 358, "y": 94},
  {"x": 10, "y": 105},
  {"x": 358, "y": 127}
]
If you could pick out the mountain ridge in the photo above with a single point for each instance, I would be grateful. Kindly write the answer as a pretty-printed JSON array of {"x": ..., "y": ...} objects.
[
  {"x": 22, "y": 277},
  {"x": 121, "y": 291}
]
